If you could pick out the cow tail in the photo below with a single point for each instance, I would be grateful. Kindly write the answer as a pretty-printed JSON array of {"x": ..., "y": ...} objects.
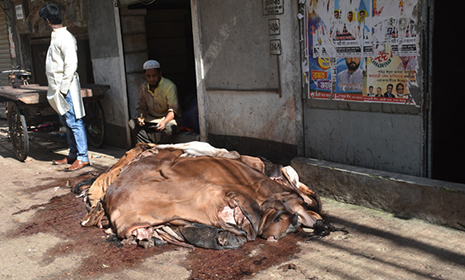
[{"x": 83, "y": 185}]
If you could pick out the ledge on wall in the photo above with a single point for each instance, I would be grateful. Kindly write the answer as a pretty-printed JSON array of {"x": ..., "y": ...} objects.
[{"x": 407, "y": 196}]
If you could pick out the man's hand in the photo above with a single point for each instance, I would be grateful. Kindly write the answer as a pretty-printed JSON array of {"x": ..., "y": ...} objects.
[
  {"x": 160, "y": 126},
  {"x": 141, "y": 120}
]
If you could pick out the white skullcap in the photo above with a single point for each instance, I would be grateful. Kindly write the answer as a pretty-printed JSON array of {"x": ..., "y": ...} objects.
[{"x": 151, "y": 64}]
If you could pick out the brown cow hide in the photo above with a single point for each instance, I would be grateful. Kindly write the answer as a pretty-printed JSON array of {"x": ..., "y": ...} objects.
[{"x": 211, "y": 202}]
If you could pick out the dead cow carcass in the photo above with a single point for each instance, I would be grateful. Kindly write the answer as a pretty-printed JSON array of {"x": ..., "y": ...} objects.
[{"x": 213, "y": 200}]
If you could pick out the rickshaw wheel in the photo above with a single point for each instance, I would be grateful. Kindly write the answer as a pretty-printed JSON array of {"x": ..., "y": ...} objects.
[
  {"x": 18, "y": 132},
  {"x": 95, "y": 123}
]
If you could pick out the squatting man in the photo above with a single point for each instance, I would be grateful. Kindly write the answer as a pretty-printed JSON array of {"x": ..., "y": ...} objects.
[{"x": 157, "y": 109}]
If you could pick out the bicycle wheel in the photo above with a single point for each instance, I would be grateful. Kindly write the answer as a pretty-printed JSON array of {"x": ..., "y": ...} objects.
[
  {"x": 95, "y": 123},
  {"x": 18, "y": 132}
]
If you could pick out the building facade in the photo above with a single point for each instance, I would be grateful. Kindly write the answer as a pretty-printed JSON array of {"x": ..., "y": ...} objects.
[{"x": 278, "y": 79}]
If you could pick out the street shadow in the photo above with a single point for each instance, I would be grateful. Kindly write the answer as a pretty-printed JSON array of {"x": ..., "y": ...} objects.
[
  {"x": 47, "y": 145},
  {"x": 41, "y": 149},
  {"x": 401, "y": 241}
]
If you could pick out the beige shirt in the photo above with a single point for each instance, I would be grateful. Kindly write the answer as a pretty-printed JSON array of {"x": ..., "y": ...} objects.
[
  {"x": 61, "y": 70},
  {"x": 159, "y": 102}
]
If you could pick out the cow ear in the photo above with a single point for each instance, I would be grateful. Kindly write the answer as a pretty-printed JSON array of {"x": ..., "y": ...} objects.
[{"x": 308, "y": 218}]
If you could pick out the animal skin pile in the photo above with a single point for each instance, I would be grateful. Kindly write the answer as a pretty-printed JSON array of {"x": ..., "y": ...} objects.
[{"x": 193, "y": 194}]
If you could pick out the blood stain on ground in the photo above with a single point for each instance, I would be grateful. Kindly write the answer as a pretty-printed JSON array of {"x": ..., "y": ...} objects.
[
  {"x": 105, "y": 254},
  {"x": 241, "y": 263}
]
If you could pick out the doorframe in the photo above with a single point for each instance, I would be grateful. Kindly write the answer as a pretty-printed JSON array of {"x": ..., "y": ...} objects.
[{"x": 199, "y": 69}]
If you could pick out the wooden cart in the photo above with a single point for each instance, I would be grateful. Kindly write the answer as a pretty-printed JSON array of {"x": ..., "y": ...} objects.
[{"x": 28, "y": 107}]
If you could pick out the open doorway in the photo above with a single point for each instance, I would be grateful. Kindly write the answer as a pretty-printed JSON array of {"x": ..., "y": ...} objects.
[
  {"x": 448, "y": 99},
  {"x": 169, "y": 38}
]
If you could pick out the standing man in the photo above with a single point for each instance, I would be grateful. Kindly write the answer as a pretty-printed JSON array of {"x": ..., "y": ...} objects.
[
  {"x": 157, "y": 108},
  {"x": 64, "y": 90}
]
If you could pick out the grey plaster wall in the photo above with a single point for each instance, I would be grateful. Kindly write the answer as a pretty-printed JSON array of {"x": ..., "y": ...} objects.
[
  {"x": 380, "y": 140},
  {"x": 236, "y": 46},
  {"x": 108, "y": 64},
  {"x": 247, "y": 91},
  {"x": 387, "y": 137}
]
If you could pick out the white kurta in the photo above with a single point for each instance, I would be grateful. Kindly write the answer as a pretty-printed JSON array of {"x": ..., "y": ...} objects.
[{"x": 61, "y": 70}]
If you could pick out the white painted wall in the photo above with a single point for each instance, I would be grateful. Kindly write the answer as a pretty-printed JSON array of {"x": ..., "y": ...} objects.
[
  {"x": 105, "y": 39},
  {"x": 243, "y": 90}
]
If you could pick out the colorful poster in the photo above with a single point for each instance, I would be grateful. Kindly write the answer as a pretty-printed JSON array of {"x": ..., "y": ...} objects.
[
  {"x": 339, "y": 28},
  {"x": 350, "y": 75},
  {"x": 393, "y": 24},
  {"x": 320, "y": 77},
  {"x": 388, "y": 78},
  {"x": 358, "y": 47}
]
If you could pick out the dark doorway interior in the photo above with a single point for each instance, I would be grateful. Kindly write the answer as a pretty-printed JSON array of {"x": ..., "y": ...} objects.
[
  {"x": 170, "y": 41},
  {"x": 448, "y": 97}
]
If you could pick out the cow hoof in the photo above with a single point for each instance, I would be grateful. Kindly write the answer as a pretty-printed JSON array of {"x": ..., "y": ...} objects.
[
  {"x": 322, "y": 228},
  {"x": 211, "y": 237},
  {"x": 229, "y": 240},
  {"x": 157, "y": 242},
  {"x": 146, "y": 243},
  {"x": 150, "y": 243},
  {"x": 128, "y": 241}
]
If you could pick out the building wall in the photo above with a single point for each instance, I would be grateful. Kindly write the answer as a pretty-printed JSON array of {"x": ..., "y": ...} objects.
[
  {"x": 372, "y": 133},
  {"x": 105, "y": 40},
  {"x": 383, "y": 137},
  {"x": 7, "y": 49},
  {"x": 96, "y": 26},
  {"x": 250, "y": 98}
]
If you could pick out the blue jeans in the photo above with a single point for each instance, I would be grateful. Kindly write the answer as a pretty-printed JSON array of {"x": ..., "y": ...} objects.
[{"x": 75, "y": 132}]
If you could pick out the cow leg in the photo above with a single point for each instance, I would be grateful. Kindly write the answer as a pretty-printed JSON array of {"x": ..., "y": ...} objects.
[
  {"x": 228, "y": 240},
  {"x": 168, "y": 238},
  {"x": 150, "y": 243},
  {"x": 211, "y": 237},
  {"x": 83, "y": 185}
]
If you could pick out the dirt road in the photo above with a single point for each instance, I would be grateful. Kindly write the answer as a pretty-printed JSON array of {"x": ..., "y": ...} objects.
[{"x": 40, "y": 237}]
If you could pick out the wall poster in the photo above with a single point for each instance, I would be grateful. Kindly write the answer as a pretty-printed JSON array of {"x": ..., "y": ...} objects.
[{"x": 361, "y": 50}]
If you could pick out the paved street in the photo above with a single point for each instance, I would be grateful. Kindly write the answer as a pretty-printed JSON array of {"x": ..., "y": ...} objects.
[{"x": 40, "y": 237}]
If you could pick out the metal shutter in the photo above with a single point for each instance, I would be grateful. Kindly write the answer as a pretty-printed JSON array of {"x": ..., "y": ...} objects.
[{"x": 5, "y": 57}]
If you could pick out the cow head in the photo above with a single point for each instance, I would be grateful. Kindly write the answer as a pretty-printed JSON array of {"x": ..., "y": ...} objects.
[{"x": 277, "y": 219}]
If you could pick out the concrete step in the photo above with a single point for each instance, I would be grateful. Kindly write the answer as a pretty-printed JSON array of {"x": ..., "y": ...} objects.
[{"x": 435, "y": 201}]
